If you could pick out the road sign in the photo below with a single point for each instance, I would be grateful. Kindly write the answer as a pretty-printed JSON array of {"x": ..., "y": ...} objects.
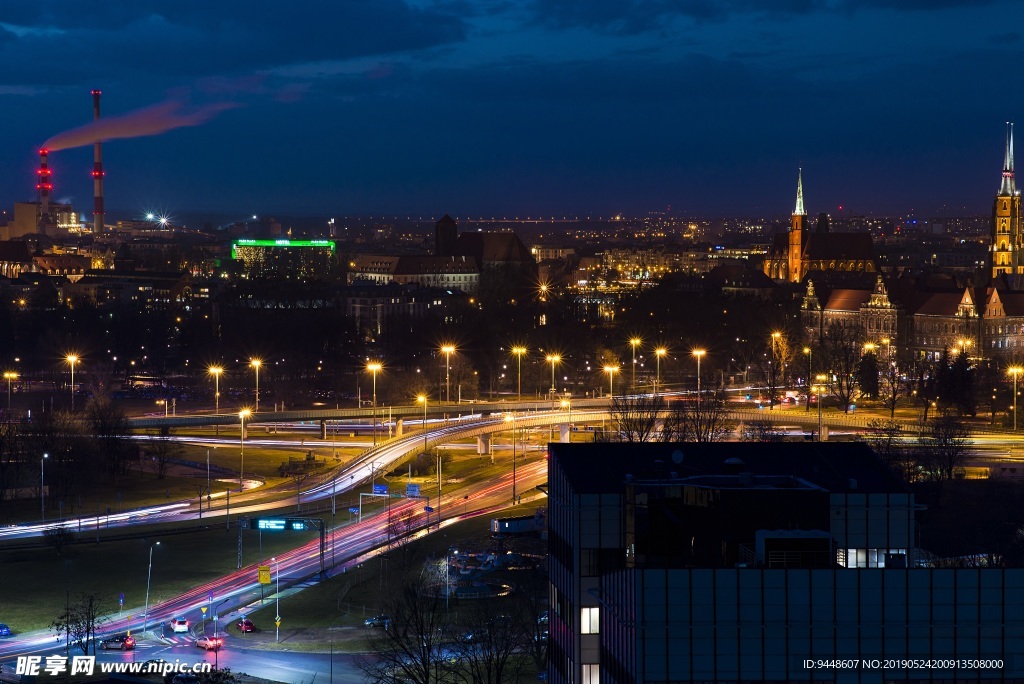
[
  {"x": 412, "y": 490},
  {"x": 203, "y": 609},
  {"x": 277, "y": 621},
  {"x": 380, "y": 489},
  {"x": 354, "y": 509},
  {"x": 264, "y": 574},
  {"x": 211, "y": 596},
  {"x": 428, "y": 509}
]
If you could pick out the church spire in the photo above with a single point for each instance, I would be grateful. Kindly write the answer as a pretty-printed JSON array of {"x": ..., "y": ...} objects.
[
  {"x": 1008, "y": 187},
  {"x": 799, "y": 211}
]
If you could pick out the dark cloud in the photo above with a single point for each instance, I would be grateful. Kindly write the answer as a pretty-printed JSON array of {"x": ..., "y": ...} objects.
[{"x": 186, "y": 39}]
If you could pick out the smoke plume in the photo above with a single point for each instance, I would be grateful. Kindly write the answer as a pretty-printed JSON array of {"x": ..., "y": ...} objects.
[{"x": 150, "y": 120}]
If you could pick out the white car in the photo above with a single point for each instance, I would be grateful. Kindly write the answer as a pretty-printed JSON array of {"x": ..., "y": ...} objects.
[
  {"x": 209, "y": 643},
  {"x": 179, "y": 625}
]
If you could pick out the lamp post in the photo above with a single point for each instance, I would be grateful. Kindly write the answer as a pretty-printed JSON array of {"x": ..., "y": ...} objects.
[
  {"x": 242, "y": 415},
  {"x": 9, "y": 376},
  {"x": 698, "y": 353},
  {"x": 634, "y": 343},
  {"x": 567, "y": 405},
  {"x": 72, "y": 359},
  {"x": 1015, "y": 371},
  {"x": 447, "y": 582},
  {"x": 810, "y": 369},
  {"x": 553, "y": 359},
  {"x": 658, "y": 353},
  {"x": 820, "y": 388},
  {"x": 423, "y": 399},
  {"x": 42, "y": 485},
  {"x": 149, "y": 576},
  {"x": 519, "y": 351},
  {"x": 611, "y": 370},
  {"x": 256, "y": 363},
  {"x": 447, "y": 350},
  {"x": 374, "y": 368},
  {"x": 888, "y": 349},
  {"x": 511, "y": 417},
  {"x": 215, "y": 371},
  {"x": 277, "y": 599}
]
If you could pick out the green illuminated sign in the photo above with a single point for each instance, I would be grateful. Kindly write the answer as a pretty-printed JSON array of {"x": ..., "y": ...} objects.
[{"x": 282, "y": 242}]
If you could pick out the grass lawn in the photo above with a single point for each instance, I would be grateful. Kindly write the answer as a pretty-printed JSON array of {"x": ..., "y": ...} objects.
[{"x": 37, "y": 579}]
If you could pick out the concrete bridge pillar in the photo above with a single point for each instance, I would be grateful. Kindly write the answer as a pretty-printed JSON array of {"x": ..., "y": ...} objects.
[
  {"x": 483, "y": 444},
  {"x": 398, "y": 427},
  {"x": 323, "y": 429},
  {"x": 563, "y": 432}
]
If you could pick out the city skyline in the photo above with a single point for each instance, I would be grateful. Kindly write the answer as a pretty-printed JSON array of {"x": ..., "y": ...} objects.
[{"x": 549, "y": 108}]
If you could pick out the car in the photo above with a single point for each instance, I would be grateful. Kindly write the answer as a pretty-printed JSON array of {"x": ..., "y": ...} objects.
[
  {"x": 121, "y": 642},
  {"x": 475, "y": 636},
  {"x": 4, "y": 630},
  {"x": 543, "y": 619},
  {"x": 245, "y": 626},
  {"x": 179, "y": 625},
  {"x": 209, "y": 643},
  {"x": 377, "y": 621}
]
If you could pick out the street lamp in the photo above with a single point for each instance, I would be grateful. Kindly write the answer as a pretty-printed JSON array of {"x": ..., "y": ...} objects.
[
  {"x": 519, "y": 351},
  {"x": 658, "y": 353},
  {"x": 869, "y": 347},
  {"x": 820, "y": 388},
  {"x": 611, "y": 370},
  {"x": 256, "y": 363},
  {"x": 698, "y": 353},
  {"x": 277, "y": 597},
  {"x": 634, "y": 342},
  {"x": 215, "y": 371},
  {"x": 447, "y": 350},
  {"x": 810, "y": 369},
  {"x": 1015, "y": 371},
  {"x": 9, "y": 376},
  {"x": 511, "y": 417},
  {"x": 553, "y": 359},
  {"x": 888, "y": 349},
  {"x": 567, "y": 405},
  {"x": 149, "y": 576},
  {"x": 423, "y": 399},
  {"x": 374, "y": 368},
  {"x": 42, "y": 485},
  {"x": 242, "y": 415},
  {"x": 72, "y": 359}
]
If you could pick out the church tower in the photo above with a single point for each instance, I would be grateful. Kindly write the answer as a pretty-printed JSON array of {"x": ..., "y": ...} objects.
[
  {"x": 1007, "y": 240},
  {"x": 797, "y": 233}
]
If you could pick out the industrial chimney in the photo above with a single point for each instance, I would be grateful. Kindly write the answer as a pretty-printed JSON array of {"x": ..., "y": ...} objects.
[
  {"x": 97, "y": 171},
  {"x": 43, "y": 187}
]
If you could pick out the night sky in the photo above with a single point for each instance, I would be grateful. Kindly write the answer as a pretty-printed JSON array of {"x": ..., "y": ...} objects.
[{"x": 519, "y": 107}]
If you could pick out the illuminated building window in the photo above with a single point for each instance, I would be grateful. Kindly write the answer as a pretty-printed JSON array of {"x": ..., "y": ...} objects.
[{"x": 590, "y": 620}]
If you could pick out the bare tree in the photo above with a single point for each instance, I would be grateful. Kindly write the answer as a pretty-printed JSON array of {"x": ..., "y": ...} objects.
[
  {"x": 410, "y": 645},
  {"x": 701, "y": 419},
  {"x": 887, "y": 439},
  {"x": 162, "y": 451},
  {"x": 58, "y": 537},
  {"x": 761, "y": 431},
  {"x": 945, "y": 448},
  {"x": 843, "y": 345},
  {"x": 893, "y": 387},
  {"x": 494, "y": 649},
  {"x": 636, "y": 416},
  {"x": 79, "y": 621},
  {"x": 112, "y": 432}
]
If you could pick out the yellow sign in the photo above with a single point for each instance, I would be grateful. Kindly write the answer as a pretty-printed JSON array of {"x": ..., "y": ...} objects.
[
  {"x": 203, "y": 609},
  {"x": 264, "y": 574},
  {"x": 277, "y": 622}
]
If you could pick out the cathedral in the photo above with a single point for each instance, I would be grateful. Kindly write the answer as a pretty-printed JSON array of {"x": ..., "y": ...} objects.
[
  {"x": 800, "y": 251},
  {"x": 1007, "y": 239}
]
